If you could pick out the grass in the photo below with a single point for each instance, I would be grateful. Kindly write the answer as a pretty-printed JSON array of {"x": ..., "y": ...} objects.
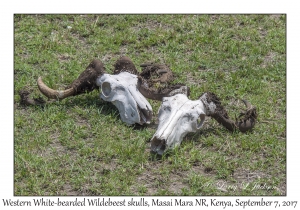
[{"x": 79, "y": 146}]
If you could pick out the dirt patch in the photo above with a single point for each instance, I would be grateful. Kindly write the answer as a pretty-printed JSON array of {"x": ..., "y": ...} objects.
[
  {"x": 154, "y": 181},
  {"x": 275, "y": 16},
  {"x": 177, "y": 182},
  {"x": 213, "y": 18},
  {"x": 269, "y": 59},
  {"x": 151, "y": 25},
  {"x": 68, "y": 190},
  {"x": 83, "y": 43},
  {"x": 242, "y": 175},
  {"x": 107, "y": 57},
  {"x": 55, "y": 147},
  {"x": 262, "y": 32},
  {"x": 94, "y": 181},
  {"x": 245, "y": 177},
  {"x": 199, "y": 168},
  {"x": 82, "y": 121},
  {"x": 123, "y": 50},
  {"x": 63, "y": 57},
  {"x": 193, "y": 80},
  {"x": 282, "y": 188}
]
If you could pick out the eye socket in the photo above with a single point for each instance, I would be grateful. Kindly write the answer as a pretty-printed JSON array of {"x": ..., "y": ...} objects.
[
  {"x": 163, "y": 112},
  {"x": 200, "y": 120},
  {"x": 106, "y": 88},
  {"x": 194, "y": 119},
  {"x": 167, "y": 108}
]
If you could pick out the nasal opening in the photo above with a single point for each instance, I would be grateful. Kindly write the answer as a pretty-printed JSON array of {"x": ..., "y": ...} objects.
[
  {"x": 106, "y": 88},
  {"x": 158, "y": 146}
]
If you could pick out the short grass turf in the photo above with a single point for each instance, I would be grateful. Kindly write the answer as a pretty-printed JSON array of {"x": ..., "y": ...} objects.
[{"x": 79, "y": 146}]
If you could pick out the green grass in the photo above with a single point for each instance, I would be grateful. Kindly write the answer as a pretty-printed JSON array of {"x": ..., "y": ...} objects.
[{"x": 79, "y": 146}]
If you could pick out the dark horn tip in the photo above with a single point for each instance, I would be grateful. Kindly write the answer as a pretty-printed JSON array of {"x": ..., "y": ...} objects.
[
  {"x": 98, "y": 66},
  {"x": 124, "y": 63}
]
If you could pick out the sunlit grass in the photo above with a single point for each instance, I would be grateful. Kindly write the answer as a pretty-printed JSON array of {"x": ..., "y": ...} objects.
[{"x": 80, "y": 146}]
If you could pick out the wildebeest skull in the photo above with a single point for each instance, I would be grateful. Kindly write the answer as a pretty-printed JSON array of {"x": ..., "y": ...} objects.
[
  {"x": 179, "y": 116},
  {"x": 125, "y": 88},
  {"x": 121, "y": 90}
]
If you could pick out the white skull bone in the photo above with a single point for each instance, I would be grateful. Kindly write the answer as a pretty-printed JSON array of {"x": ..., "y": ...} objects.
[
  {"x": 177, "y": 117},
  {"x": 121, "y": 90}
]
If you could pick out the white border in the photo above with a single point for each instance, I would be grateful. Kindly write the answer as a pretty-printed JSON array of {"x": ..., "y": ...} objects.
[{"x": 8, "y": 8}]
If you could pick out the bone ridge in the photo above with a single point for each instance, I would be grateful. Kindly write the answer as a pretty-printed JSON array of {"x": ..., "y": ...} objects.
[{"x": 210, "y": 107}]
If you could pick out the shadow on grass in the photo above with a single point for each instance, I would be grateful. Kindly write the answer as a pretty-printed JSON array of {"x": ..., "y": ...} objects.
[
  {"x": 203, "y": 132},
  {"x": 84, "y": 101},
  {"x": 91, "y": 101}
]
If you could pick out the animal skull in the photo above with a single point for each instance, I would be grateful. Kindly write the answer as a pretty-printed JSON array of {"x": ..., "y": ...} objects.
[
  {"x": 177, "y": 117},
  {"x": 122, "y": 91},
  {"x": 127, "y": 90}
]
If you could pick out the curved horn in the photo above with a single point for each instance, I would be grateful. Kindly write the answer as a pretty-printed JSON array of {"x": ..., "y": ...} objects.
[
  {"x": 217, "y": 111},
  {"x": 54, "y": 94},
  {"x": 86, "y": 82},
  {"x": 151, "y": 92}
]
